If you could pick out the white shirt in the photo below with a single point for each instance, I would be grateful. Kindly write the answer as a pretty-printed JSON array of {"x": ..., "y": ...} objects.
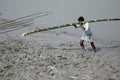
[{"x": 87, "y": 28}]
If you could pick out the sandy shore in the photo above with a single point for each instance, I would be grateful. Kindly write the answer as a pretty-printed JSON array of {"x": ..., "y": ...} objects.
[{"x": 57, "y": 56}]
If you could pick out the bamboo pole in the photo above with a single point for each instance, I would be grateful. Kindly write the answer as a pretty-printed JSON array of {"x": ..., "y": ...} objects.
[{"x": 67, "y": 25}]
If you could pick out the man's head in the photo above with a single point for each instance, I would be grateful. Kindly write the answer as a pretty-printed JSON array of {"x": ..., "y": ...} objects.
[{"x": 81, "y": 19}]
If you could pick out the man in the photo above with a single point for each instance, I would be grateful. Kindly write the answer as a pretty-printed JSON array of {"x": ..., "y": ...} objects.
[{"x": 87, "y": 33}]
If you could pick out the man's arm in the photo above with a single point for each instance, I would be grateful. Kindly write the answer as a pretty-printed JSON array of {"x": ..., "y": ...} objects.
[{"x": 82, "y": 27}]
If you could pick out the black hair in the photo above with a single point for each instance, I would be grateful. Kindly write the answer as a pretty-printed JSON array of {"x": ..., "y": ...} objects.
[{"x": 80, "y": 18}]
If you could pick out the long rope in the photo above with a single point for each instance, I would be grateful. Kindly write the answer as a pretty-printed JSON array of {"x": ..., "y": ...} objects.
[
  {"x": 9, "y": 30},
  {"x": 22, "y": 21},
  {"x": 21, "y": 18},
  {"x": 19, "y": 23},
  {"x": 16, "y": 25},
  {"x": 67, "y": 25}
]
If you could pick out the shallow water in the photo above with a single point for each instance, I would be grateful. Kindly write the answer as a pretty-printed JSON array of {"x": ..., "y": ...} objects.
[{"x": 67, "y": 11}]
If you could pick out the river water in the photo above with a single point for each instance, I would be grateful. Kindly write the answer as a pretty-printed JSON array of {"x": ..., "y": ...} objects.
[{"x": 67, "y": 11}]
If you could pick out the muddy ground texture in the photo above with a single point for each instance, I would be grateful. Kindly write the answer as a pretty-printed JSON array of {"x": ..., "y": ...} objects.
[{"x": 22, "y": 60}]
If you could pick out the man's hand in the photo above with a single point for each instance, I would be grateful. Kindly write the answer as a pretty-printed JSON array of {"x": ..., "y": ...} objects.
[
  {"x": 81, "y": 25},
  {"x": 74, "y": 25}
]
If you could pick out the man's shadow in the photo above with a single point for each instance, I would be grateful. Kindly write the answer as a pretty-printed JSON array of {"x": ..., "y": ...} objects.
[{"x": 97, "y": 49}]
